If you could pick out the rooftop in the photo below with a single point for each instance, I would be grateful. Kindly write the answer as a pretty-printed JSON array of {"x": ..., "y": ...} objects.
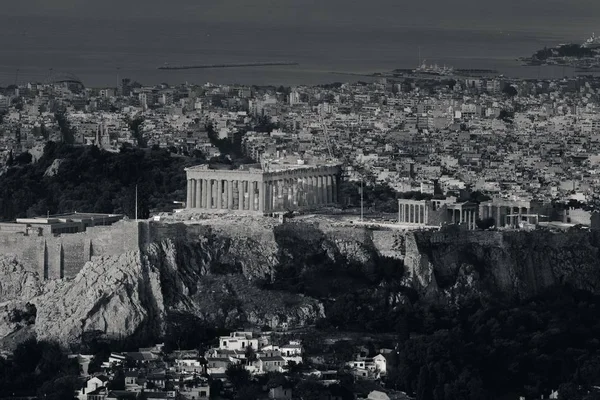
[{"x": 73, "y": 217}]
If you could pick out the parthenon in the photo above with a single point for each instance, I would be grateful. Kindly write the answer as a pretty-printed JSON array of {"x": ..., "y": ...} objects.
[{"x": 261, "y": 191}]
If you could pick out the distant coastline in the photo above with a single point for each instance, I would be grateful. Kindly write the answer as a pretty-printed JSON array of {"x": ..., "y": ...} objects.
[
  {"x": 583, "y": 57},
  {"x": 411, "y": 73}
]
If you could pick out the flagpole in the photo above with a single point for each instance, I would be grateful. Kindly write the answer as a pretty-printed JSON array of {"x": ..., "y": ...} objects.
[{"x": 136, "y": 203}]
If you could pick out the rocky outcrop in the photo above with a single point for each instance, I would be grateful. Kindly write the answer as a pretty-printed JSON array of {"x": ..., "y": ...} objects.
[
  {"x": 204, "y": 272},
  {"x": 17, "y": 282},
  {"x": 218, "y": 274},
  {"x": 53, "y": 168},
  {"x": 454, "y": 264},
  {"x": 119, "y": 296}
]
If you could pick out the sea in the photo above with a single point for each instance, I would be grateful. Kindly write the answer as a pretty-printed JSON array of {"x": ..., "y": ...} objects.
[{"x": 100, "y": 42}]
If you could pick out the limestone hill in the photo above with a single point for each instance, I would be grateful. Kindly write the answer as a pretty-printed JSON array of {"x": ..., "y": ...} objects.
[{"x": 233, "y": 272}]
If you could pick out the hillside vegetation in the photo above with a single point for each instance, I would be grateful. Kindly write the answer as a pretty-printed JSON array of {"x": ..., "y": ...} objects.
[{"x": 93, "y": 180}]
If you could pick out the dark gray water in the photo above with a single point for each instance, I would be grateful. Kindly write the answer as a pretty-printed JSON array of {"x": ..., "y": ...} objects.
[{"x": 96, "y": 40}]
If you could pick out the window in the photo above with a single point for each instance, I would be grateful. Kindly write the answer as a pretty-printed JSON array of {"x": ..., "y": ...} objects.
[
  {"x": 243, "y": 345},
  {"x": 203, "y": 393}
]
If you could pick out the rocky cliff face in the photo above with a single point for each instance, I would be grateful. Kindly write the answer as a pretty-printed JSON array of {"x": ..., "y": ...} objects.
[
  {"x": 508, "y": 265},
  {"x": 207, "y": 273},
  {"x": 218, "y": 273}
]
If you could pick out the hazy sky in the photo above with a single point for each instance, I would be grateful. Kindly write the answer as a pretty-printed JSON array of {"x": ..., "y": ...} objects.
[{"x": 515, "y": 14}]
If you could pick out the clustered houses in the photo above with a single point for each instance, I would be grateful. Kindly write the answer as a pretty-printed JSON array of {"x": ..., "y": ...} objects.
[
  {"x": 185, "y": 375},
  {"x": 265, "y": 357},
  {"x": 515, "y": 140},
  {"x": 146, "y": 371}
]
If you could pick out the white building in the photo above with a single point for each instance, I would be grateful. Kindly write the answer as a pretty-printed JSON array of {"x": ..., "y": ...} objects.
[{"x": 238, "y": 341}]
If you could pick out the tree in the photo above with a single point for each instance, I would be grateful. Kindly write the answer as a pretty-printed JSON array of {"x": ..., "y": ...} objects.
[
  {"x": 485, "y": 223},
  {"x": 424, "y": 390},
  {"x": 136, "y": 130},
  {"x": 118, "y": 381},
  {"x": 23, "y": 158},
  {"x": 509, "y": 90},
  {"x": 216, "y": 387},
  {"x": 237, "y": 375},
  {"x": 62, "y": 388},
  {"x": 250, "y": 355},
  {"x": 67, "y": 132}
]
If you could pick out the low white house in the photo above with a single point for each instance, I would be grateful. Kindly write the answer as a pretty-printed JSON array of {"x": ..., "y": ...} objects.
[
  {"x": 370, "y": 367},
  {"x": 92, "y": 385},
  {"x": 238, "y": 341},
  {"x": 190, "y": 366}
]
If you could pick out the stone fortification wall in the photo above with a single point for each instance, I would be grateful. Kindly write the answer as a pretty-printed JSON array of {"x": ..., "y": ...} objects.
[
  {"x": 506, "y": 264},
  {"x": 55, "y": 257},
  {"x": 389, "y": 243}
]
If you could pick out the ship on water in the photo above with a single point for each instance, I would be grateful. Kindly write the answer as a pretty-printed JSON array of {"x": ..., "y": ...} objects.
[
  {"x": 592, "y": 42},
  {"x": 435, "y": 69}
]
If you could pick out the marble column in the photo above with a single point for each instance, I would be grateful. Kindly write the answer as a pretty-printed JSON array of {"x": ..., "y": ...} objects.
[
  {"x": 329, "y": 186},
  {"x": 281, "y": 194},
  {"x": 230, "y": 195},
  {"x": 270, "y": 195},
  {"x": 284, "y": 194},
  {"x": 252, "y": 191},
  {"x": 193, "y": 193},
  {"x": 207, "y": 183},
  {"x": 319, "y": 190},
  {"x": 294, "y": 192},
  {"x": 334, "y": 189},
  {"x": 261, "y": 196},
  {"x": 306, "y": 191},
  {"x": 188, "y": 200},
  {"x": 240, "y": 186},
  {"x": 198, "y": 199},
  {"x": 276, "y": 195},
  {"x": 219, "y": 195}
]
